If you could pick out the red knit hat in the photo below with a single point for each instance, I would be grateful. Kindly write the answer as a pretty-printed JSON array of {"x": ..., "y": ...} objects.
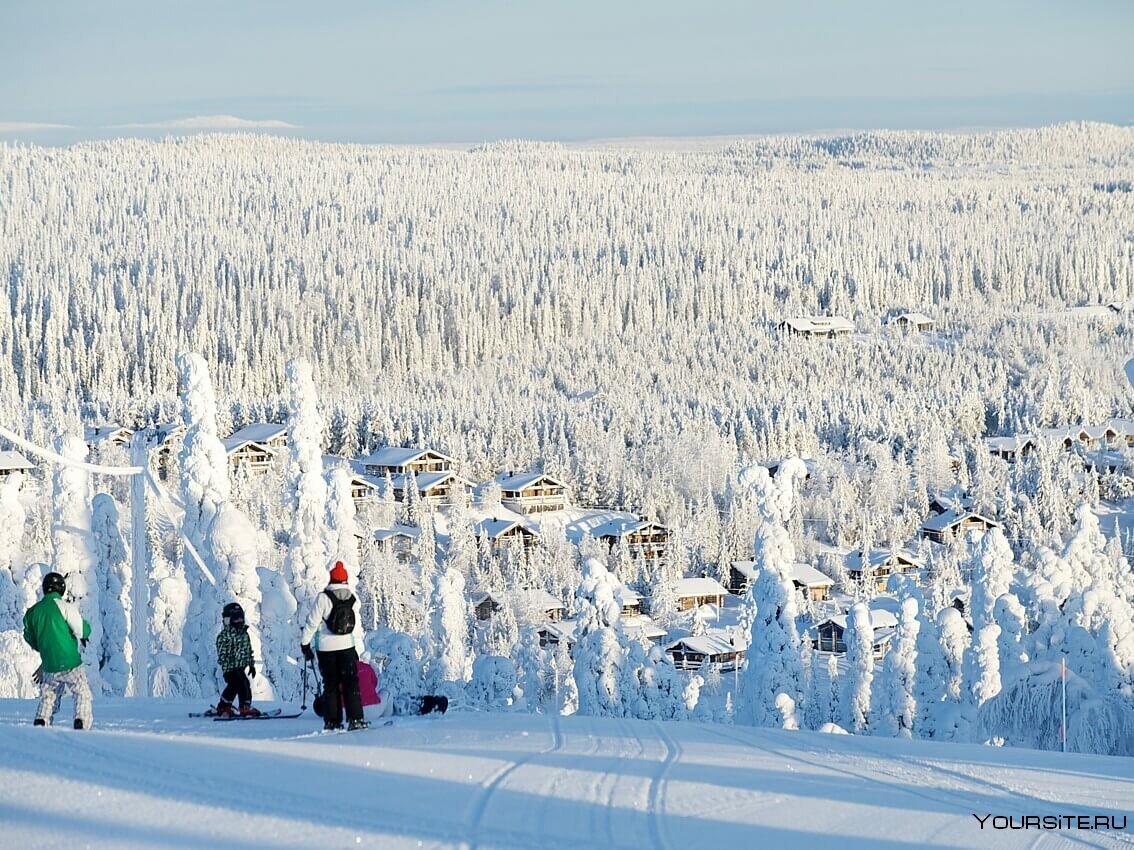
[{"x": 338, "y": 573}]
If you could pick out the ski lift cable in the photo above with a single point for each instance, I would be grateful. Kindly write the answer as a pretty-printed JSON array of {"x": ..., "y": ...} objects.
[
  {"x": 47, "y": 454},
  {"x": 121, "y": 471}
]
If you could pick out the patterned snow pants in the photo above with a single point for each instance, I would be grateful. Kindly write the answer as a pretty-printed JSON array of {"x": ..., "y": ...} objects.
[{"x": 56, "y": 685}]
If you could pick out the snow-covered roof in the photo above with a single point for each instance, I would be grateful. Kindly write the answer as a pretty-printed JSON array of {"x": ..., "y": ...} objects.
[
  {"x": 401, "y": 455},
  {"x": 808, "y": 576},
  {"x": 531, "y": 600},
  {"x": 643, "y": 625},
  {"x": 407, "y": 531},
  {"x": 819, "y": 324},
  {"x": 233, "y": 445},
  {"x": 699, "y": 586},
  {"x": 166, "y": 431},
  {"x": 913, "y": 318},
  {"x": 879, "y": 619},
  {"x": 428, "y": 480},
  {"x": 947, "y": 520},
  {"x": 524, "y": 480},
  {"x": 626, "y": 596},
  {"x": 563, "y": 630},
  {"x": 878, "y": 557},
  {"x": 102, "y": 433},
  {"x": 802, "y": 574},
  {"x": 713, "y": 642},
  {"x": 1009, "y": 444},
  {"x": 260, "y": 432},
  {"x": 620, "y": 526},
  {"x": 494, "y": 528},
  {"x": 1124, "y": 427},
  {"x": 11, "y": 461}
]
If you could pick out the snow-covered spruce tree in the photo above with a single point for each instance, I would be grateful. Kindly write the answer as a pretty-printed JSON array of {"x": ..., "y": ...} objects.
[
  {"x": 1028, "y": 713},
  {"x": 493, "y": 682},
  {"x": 896, "y": 711},
  {"x": 12, "y": 517},
  {"x": 114, "y": 581},
  {"x": 954, "y": 635},
  {"x": 774, "y": 650},
  {"x": 533, "y": 670},
  {"x": 982, "y": 665},
  {"x": 342, "y": 525},
  {"x": 598, "y": 653},
  {"x": 219, "y": 533},
  {"x": 565, "y": 690},
  {"x": 992, "y": 576},
  {"x": 402, "y": 674},
  {"x": 1010, "y": 616},
  {"x": 71, "y": 544},
  {"x": 449, "y": 629},
  {"x": 859, "y": 678},
  {"x": 461, "y": 549},
  {"x": 306, "y": 564}
]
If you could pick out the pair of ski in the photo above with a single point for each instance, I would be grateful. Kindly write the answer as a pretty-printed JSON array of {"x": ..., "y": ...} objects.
[
  {"x": 273, "y": 714},
  {"x": 431, "y": 704}
]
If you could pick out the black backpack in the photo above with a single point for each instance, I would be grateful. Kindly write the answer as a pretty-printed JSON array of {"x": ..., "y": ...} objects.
[{"x": 341, "y": 619}]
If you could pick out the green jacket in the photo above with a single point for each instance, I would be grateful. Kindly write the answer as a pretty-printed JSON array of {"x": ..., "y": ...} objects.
[
  {"x": 234, "y": 648},
  {"x": 53, "y": 628}
]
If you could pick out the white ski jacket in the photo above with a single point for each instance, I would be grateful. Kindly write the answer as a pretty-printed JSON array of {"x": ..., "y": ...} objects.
[{"x": 319, "y": 636}]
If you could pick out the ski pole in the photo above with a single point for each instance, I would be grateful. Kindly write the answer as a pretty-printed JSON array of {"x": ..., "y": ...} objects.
[{"x": 303, "y": 707}]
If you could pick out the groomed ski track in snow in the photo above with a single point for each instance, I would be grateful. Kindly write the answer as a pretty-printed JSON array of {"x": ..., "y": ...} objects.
[{"x": 148, "y": 776}]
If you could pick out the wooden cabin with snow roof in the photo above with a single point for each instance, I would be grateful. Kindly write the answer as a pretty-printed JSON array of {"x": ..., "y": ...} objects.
[
  {"x": 725, "y": 648},
  {"x": 405, "y": 460},
  {"x": 643, "y": 538},
  {"x": 529, "y": 605},
  {"x": 399, "y": 541},
  {"x": 107, "y": 435},
  {"x": 911, "y": 322},
  {"x": 943, "y": 528},
  {"x": 811, "y": 583},
  {"x": 273, "y": 435},
  {"x": 250, "y": 455},
  {"x": 12, "y": 461},
  {"x": 434, "y": 488},
  {"x": 532, "y": 493},
  {"x": 506, "y": 534},
  {"x": 167, "y": 438},
  {"x": 827, "y": 636},
  {"x": 827, "y": 327},
  {"x": 695, "y": 592},
  {"x": 880, "y": 564}
]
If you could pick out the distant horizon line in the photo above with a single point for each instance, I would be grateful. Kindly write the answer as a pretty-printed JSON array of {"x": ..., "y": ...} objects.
[{"x": 179, "y": 129}]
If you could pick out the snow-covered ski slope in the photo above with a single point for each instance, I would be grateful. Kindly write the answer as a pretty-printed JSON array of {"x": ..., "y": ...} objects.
[{"x": 149, "y": 777}]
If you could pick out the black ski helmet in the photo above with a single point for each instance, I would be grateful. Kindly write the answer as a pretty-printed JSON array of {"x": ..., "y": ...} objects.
[
  {"x": 233, "y": 614},
  {"x": 54, "y": 583}
]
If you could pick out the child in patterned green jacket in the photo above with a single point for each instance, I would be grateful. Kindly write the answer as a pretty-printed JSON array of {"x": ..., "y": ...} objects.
[{"x": 234, "y": 652}]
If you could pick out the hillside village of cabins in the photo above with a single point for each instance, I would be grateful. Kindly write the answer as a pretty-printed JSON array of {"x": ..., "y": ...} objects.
[{"x": 693, "y": 618}]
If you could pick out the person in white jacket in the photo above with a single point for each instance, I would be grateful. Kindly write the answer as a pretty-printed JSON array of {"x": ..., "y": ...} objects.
[{"x": 335, "y": 630}]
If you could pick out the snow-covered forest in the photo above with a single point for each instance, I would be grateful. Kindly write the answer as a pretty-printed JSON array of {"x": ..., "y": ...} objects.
[{"x": 610, "y": 318}]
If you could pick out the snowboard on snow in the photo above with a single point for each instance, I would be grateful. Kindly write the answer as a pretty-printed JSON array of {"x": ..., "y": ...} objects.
[{"x": 273, "y": 714}]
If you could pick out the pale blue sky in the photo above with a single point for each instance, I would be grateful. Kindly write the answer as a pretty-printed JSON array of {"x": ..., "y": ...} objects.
[{"x": 432, "y": 71}]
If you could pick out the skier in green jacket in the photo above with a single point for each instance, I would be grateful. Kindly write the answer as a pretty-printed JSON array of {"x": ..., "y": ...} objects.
[{"x": 54, "y": 628}]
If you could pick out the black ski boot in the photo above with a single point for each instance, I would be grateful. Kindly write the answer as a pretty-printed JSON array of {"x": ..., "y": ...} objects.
[
  {"x": 78, "y": 723},
  {"x": 331, "y": 726},
  {"x": 39, "y": 721},
  {"x": 355, "y": 725}
]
